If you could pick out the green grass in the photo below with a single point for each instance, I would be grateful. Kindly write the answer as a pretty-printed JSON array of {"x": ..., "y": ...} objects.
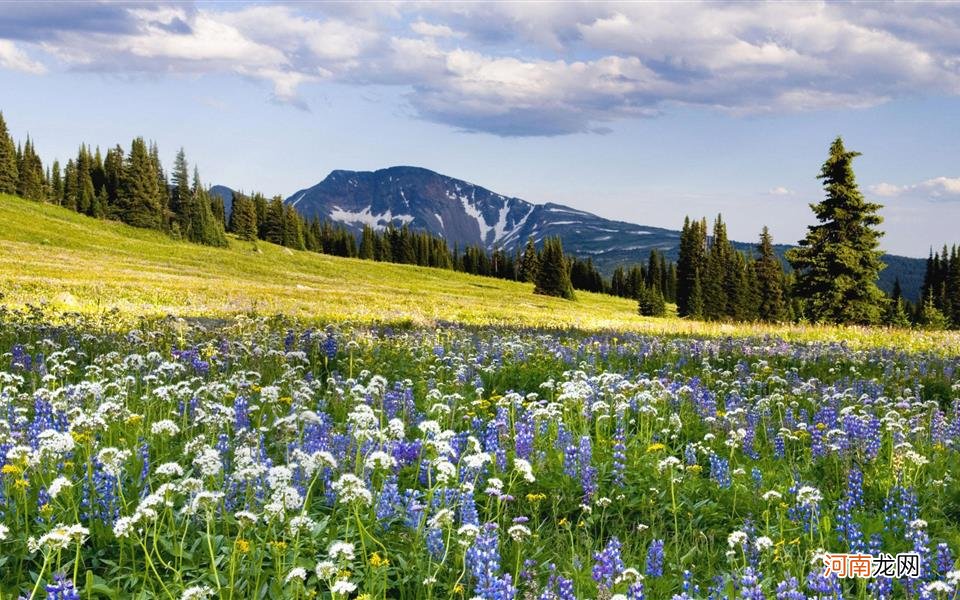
[
  {"x": 71, "y": 262},
  {"x": 78, "y": 263}
]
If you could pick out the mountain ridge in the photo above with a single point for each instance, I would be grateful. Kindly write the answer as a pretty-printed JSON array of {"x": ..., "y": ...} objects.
[{"x": 465, "y": 214}]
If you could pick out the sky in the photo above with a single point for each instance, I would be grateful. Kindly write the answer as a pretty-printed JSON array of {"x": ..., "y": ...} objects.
[{"x": 642, "y": 112}]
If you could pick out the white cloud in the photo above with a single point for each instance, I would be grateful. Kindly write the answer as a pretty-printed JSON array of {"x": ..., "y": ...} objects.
[
  {"x": 540, "y": 68},
  {"x": 939, "y": 188},
  {"x": 431, "y": 30},
  {"x": 15, "y": 59},
  {"x": 779, "y": 191}
]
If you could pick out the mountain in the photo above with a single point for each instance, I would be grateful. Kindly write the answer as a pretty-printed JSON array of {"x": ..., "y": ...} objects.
[
  {"x": 226, "y": 194},
  {"x": 467, "y": 214}
]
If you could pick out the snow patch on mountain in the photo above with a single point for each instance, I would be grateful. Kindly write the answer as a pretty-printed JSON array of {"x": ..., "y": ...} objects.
[{"x": 366, "y": 217}]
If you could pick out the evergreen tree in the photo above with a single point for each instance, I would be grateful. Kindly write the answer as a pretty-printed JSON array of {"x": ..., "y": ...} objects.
[
  {"x": 930, "y": 317},
  {"x": 56, "y": 184},
  {"x": 30, "y": 172},
  {"x": 86, "y": 193},
  {"x": 293, "y": 228},
  {"x": 771, "y": 305},
  {"x": 181, "y": 198},
  {"x": 695, "y": 302},
  {"x": 112, "y": 176},
  {"x": 838, "y": 262},
  {"x": 651, "y": 303},
  {"x": 9, "y": 176},
  {"x": 219, "y": 210},
  {"x": 243, "y": 218},
  {"x": 368, "y": 244},
  {"x": 273, "y": 222},
  {"x": 206, "y": 229},
  {"x": 163, "y": 187},
  {"x": 529, "y": 262},
  {"x": 140, "y": 200},
  {"x": 70, "y": 185},
  {"x": 553, "y": 278},
  {"x": 896, "y": 314},
  {"x": 690, "y": 267},
  {"x": 716, "y": 303}
]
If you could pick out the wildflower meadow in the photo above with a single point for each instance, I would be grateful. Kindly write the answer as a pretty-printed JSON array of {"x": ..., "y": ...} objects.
[{"x": 265, "y": 458}]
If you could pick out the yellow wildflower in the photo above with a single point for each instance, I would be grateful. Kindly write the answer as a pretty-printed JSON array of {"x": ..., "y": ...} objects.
[{"x": 377, "y": 561}]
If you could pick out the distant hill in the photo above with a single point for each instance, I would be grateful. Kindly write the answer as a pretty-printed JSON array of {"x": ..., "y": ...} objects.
[
  {"x": 226, "y": 194},
  {"x": 467, "y": 214}
]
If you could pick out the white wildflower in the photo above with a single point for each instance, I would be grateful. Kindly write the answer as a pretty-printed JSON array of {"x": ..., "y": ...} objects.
[
  {"x": 338, "y": 550},
  {"x": 326, "y": 569},
  {"x": 296, "y": 573},
  {"x": 737, "y": 538},
  {"x": 197, "y": 592},
  {"x": 523, "y": 467},
  {"x": 342, "y": 586},
  {"x": 763, "y": 543},
  {"x": 351, "y": 489},
  {"x": 378, "y": 460},
  {"x": 519, "y": 532},
  {"x": 112, "y": 460},
  {"x": 165, "y": 427},
  {"x": 170, "y": 469},
  {"x": 57, "y": 486},
  {"x": 809, "y": 496}
]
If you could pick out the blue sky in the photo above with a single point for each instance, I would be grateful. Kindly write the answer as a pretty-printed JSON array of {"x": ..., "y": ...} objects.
[{"x": 640, "y": 112}]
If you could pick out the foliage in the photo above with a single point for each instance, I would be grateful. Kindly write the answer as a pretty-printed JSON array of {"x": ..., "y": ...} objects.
[
  {"x": 265, "y": 458},
  {"x": 838, "y": 262},
  {"x": 553, "y": 274}
]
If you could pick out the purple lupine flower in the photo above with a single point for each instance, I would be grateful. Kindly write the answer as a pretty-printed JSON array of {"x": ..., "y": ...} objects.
[
  {"x": 558, "y": 587},
  {"x": 483, "y": 561},
  {"x": 619, "y": 454},
  {"x": 588, "y": 474},
  {"x": 608, "y": 565},
  {"x": 750, "y": 585},
  {"x": 524, "y": 437},
  {"x": 435, "y": 544},
  {"x": 654, "y": 566},
  {"x": 720, "y": 471},
  {"x": 944, "y": 559},
  {"x": 62, "y": 589},
  {"x": 879, "y": 587},
  {"x": 789, "y": 589}
]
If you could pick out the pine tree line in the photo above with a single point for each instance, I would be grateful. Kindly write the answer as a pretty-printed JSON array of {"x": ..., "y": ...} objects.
[
  {"x": 940, "y": 293},
  {"x": 131, "y": 187},
  {"x": 715, "y": 281}
]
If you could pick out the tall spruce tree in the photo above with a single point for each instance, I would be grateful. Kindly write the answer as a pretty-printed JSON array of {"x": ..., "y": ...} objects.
[
  {"x": 30, "y": 173},
  {"x": 838, "y": 262},
  {"x": 56, "y": 184},
  {"x": 140, "y": 200},
  {"x": 690, "y": 268},
  {"x": 243, "y": 217},
  {"x": 553, "y": 276},
  {"x": 529, "y": 262},
  {"x": 771, "y": 305},
  {"x": 718, "y": 274},
  {"x": 112, "y": 175},
  {"x": 8, "y": 160}
]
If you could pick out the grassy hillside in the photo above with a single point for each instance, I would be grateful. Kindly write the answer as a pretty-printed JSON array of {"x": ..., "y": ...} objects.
[
  {"x": 75, "y": 263},
  {"x": 78, "y": 263}
]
